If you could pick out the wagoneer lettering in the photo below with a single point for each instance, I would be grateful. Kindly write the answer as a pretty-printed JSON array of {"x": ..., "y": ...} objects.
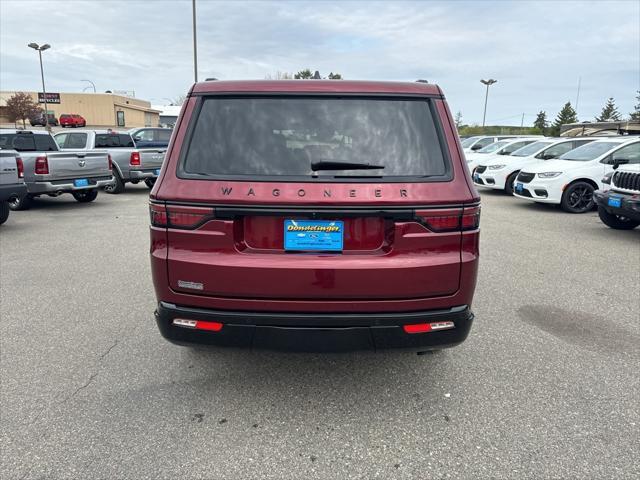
[{"x": 327, "y": 216}]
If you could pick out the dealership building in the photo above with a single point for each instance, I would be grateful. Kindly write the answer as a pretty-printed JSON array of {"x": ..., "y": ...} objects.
[{"x": 98, "y": 109}]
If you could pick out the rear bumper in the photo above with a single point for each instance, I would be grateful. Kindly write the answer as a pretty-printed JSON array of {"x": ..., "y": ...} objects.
[
  {"x": 14, "y": 190},
  {"x": 314, "y": 332},
  {"x": 67, "y": 185},
  {"x": 143, "y": 174},
  {"x": 629, "y": 204}
]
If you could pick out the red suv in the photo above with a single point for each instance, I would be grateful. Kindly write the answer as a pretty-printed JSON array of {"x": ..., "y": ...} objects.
[
  {"x": 72, "y": 120},
  {"x": 315, "y": 215}
]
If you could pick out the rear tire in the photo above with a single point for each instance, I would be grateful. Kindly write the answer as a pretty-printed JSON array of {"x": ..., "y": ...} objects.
[
  {"x": 578, "y": 198},
  {"x": 617, "y": 222},
  {"x": 150, "y": 182},
  {"x": 508, "y": 186},
  {"x": 86, "y": 196},
  {"x": 4, "y": 212},
  {"x": 117, "y": 186},
  {"x": 20, "y": 203}
]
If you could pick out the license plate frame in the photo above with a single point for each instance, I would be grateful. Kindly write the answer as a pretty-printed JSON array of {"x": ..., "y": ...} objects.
[
  {"x": 81, "y": 182},
  {"x": 313, "y": 235}
]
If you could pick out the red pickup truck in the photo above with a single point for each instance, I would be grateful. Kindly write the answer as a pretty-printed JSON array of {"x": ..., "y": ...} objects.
[
  {"x": 315, "y": 215},
  {"x": 72, "y": 120}
]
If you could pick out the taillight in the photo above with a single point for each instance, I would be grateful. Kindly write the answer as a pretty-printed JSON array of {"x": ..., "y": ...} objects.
[
  {"x": 110, "y": 162},
  {"x": 198, "y": 324},
  {"x": 450, "y": 220},
  {"x": 134, "y": 159},
  {"x": 42, "y": 165},
  {"x": 428, "y": 327},
  {"x": 173, "y": 216},
  {"x": 20, "y": 166}
]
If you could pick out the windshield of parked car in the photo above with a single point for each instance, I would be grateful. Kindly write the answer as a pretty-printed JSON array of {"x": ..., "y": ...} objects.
[
  {"x": 530, "y": 149},
  {"x": 467, "y": 142},
  {"x": 285, "y": 136},
  {"x": 24, "y": 142},
  {"x": 590, "y": 151},
  {"x": 493, "y": 147}
]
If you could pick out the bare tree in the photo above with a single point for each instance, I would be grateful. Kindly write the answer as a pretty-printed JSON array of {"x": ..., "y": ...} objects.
[
  {"x": 20, "y": 106},
  {"x": 179, "y": 100},
  {"x": 279, "y": 76}
]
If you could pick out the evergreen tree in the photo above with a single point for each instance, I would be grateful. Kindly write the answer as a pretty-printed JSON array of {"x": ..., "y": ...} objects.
[
  {"x": 609, "y": 112},
  {"x": 566, "y": 115},
  {"x": 541, "y": 122},
  {"x": 635, "y": 115}
]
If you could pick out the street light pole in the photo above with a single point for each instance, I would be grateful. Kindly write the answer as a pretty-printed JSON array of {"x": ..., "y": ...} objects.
[
  {"x": 195, "y": 43},
  {"x": 488, "y": 83},
  {"x": 92, "y": 85},
  {"x": 40, "y": 49}
]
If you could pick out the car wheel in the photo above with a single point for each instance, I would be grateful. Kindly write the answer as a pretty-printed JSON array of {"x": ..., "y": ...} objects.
[
  {"x": 578, "y": 198},
  {"x": 508, "y": 186},
  {"x": 20, "y": 203},
  {"x": 85, "y": 196},
  {"x": 150, "y": 182},
  {"x": 616, "y": 221},
  {"x": 117, "y": 186},
  {"x": 4, "y": 212}
]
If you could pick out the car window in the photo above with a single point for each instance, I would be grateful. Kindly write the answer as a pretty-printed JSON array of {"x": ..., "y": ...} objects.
[
  {"x": 28, "y": 143},
  {"x": 284, "y": 136},
  {"x": 556, "y": 150},
  {"x": 530, "y": 149},
  {"x": 493, "y": 147},
  {"x": 144, "y": 135},
  {"x": 77, "y": 140},
  {"x": 482, "y": 143},
  {"x": 628, "y": 154},
  {"x": 113, "y": 140},
  {"x": 509, "y": 149},
  {"x": 467, "y": 142},
  {"x": 60, "y": 139},
  {"x": 590, "y": 151},
  {"x": 45, "y": 143},
  {"x": 164, "y": 135}
]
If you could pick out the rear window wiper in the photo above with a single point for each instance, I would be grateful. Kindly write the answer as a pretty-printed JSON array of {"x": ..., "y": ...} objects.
[{"x": 331, "y": 165}]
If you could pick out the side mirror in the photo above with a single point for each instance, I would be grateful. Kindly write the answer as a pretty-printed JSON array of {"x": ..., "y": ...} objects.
[
  {"x": 476, "y": 147},
  {"x": 616, "y": 162}
]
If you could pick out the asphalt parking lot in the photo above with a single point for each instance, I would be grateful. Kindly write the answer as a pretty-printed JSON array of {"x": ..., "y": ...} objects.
[{"x": 546, "y": 386}]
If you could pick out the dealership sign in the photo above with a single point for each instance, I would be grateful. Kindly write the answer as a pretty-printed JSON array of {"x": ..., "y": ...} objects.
[{"x": 51, "y": 97}]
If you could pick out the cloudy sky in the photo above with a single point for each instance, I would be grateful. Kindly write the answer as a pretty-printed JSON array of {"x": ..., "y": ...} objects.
[{"x": 537, "y": 50}]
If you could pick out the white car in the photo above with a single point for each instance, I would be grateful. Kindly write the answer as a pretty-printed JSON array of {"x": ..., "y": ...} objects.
[
  {"x": 501, "y": 147},
  {"x": 473, "y": 144},
  {"x": 571, "y": 179},
  {"x": 499, "y": 173}
]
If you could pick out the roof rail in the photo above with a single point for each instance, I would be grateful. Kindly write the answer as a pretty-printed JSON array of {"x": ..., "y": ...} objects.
[{"x": 420, "y": 80}]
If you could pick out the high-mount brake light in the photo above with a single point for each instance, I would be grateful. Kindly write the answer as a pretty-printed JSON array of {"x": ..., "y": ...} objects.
[
  {"x": 20, "y": 167},
  {"x": 42, "y": 165},
  {"x": 134, "y": 159},
  {"x": 177, "y": 216}
]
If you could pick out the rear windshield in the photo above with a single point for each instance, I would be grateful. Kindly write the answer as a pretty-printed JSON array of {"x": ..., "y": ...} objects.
[
  {"x": 282, "y": 137},
  {"x": 111, "y": 140},
  {"x": 28, "y": 142},
  {"x": 590, "y": 151},
  {"x": 493, "y": 147}
]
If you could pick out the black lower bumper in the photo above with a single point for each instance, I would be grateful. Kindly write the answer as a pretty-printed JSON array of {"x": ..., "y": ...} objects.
[
  {"x": 11, "y": 191},
  {"x": 314, "y": 332},
  {"x": 629, "y": 205}
]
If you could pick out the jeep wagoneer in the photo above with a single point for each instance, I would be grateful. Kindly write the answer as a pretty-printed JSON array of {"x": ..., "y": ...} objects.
[{"x": 316, "y": 216}]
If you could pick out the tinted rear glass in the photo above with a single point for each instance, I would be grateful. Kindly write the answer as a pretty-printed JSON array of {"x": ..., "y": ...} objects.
[
  {"x": 110, "y": 140},
  {"x": 27, "y": 142},
  {"x": 164, "y": 135},
  {"x": 276, "y": 137}
]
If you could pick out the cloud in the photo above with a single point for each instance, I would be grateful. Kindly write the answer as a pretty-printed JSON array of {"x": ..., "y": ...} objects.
[{"x": 536, "y": 50}]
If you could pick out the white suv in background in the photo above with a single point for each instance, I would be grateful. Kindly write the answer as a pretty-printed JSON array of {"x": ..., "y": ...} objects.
[
  {"x": 473, "y": 144},
  {"x": 499, "y": 173},
  {"x": 501, "y": 147},
  {"x": 571, "y": 179}
]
